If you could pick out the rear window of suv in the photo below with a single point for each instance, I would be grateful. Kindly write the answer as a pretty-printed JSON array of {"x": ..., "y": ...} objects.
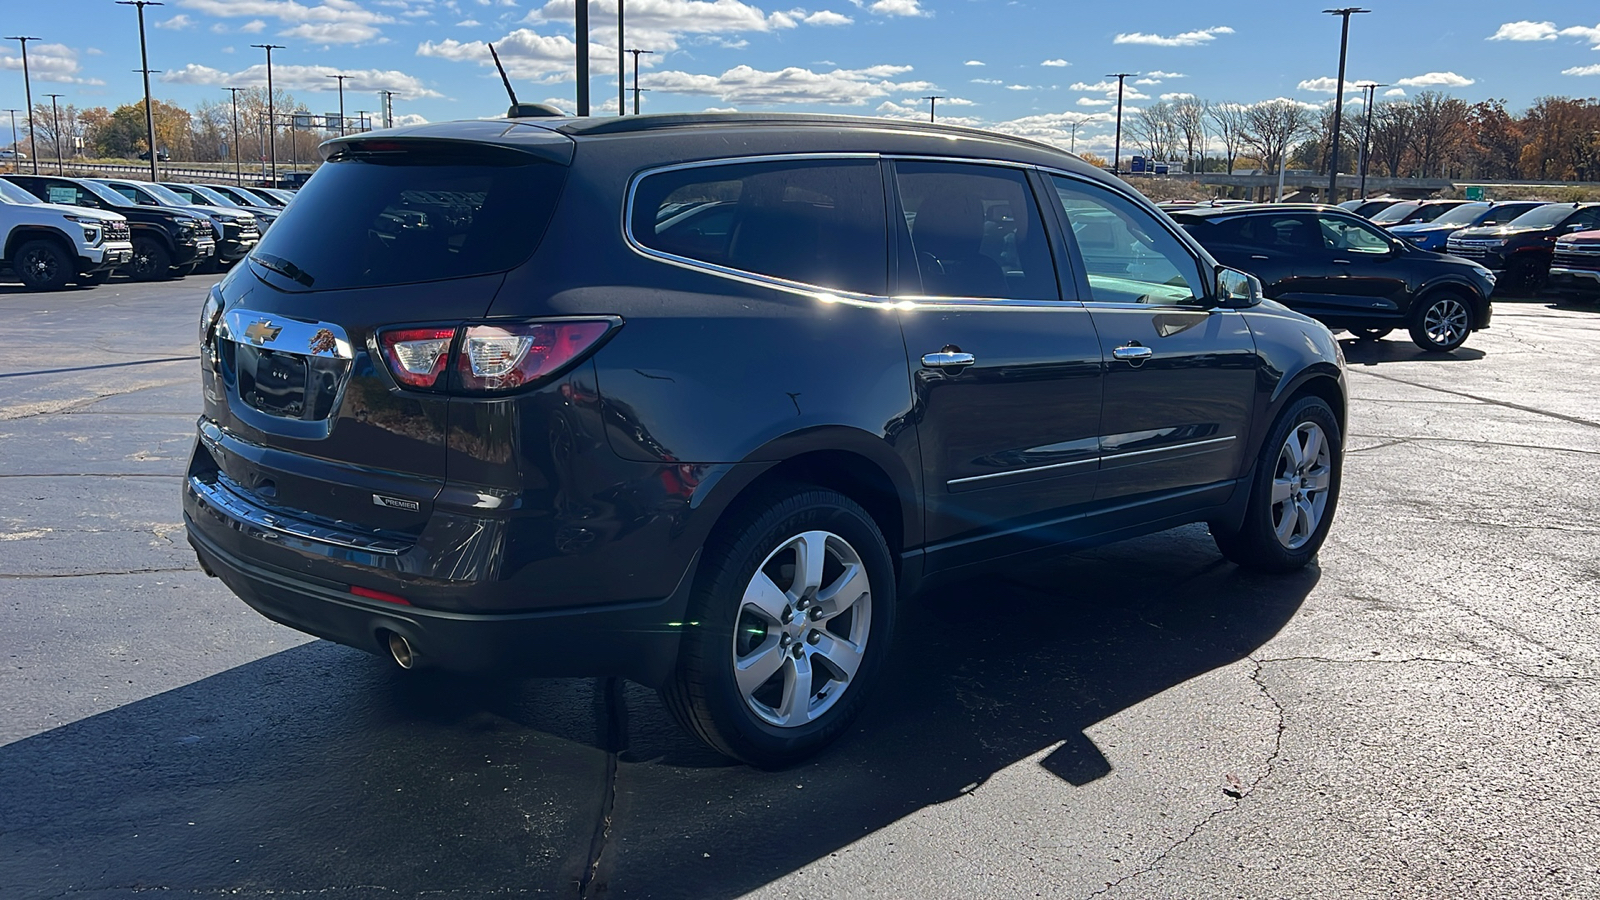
[{"x": 412, "y": 216}]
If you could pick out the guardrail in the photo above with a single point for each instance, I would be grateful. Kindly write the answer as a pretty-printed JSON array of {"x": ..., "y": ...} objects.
[{"x": 168, "y": 172}]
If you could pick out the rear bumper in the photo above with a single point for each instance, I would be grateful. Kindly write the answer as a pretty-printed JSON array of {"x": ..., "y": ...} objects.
[
  {"x": 1581, "y": 282},
  {"x": 638, "y": 641}
]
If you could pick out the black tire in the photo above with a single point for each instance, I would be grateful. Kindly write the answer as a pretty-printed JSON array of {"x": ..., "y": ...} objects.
[
  {"x": 704, "y": 695},
  {"x": 43, "y": 265},
  {"x": 1441, "y": 322},
  {"x": 94, "y": 278},
  {"x": 1370, "y": 334},
  {"x": 1255, "y": 544},
  {"x": 151, "y": 261},
  {"x": 190, "y": 269}
]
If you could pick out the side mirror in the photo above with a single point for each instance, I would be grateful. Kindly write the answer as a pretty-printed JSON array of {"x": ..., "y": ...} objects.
[{"x": 1236, "y": 289}]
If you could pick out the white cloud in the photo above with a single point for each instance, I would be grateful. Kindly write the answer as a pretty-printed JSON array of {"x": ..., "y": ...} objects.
[
  {"x": 255, "y": 27},
  {"x": 55, "y": 63},
  {"x": 468, "y": 23},
  {"x": 1582, "y": 70},
  {"x": 328, "y": 22},
  {"x": 302, "y": 78},
  {"x": 1097, "y": 87},
  {"x": 663, "y": 25},
  {"x": 1177, "y": 96},
  {"x": 1592, "y": 35},
  {"x": 1395, "y": 92},
  {"x": 218, "y": 28},
  {"x": 1327, "y": 85},
  {"x": 1186, "y": 39},
  {"x": 1435, "y": 79},
  {"x": 898, "y": 8},
  {"x": 1021, "y": 87},
  {"x": 1090, "y": 101},
  {"x": 975, "y": 62},
  {"x": 177, "y": 23},
  {"x": 1160, "y": 74},
  {"x": 1525, "y": 31},
  {"x": 988, "y": 81},
  {"x": 1055, "y": 63},
  {"x": 827, "y": 17},
  {"x": 409, "y": 119},
  {"x": 744, "y": 85}
]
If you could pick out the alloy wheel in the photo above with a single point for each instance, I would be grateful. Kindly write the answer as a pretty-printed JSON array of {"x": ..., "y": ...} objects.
[
  {"x": 41, "y": 265},
  {"x": 1300, "y": 485},
  {"x": 1446, "y": 322},
  {"x": 802, "y": 629}
]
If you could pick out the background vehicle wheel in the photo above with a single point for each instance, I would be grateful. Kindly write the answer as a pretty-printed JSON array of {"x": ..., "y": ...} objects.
[
  {"x": 794, "y": 604},
  {"x": 1442, "y": 323},
  {"x": 151, "y": 261},
  {"x": 1371, "y": 334},
  {"x": 93, "y": 278},
  {"x": 43, "y": 266},
  {"x": 1294, "y": 495}
]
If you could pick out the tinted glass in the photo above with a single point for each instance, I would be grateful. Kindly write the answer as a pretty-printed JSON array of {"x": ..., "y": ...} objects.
[
  {"x": 1129, "y": 256},
  {"x": 410, "y": 217},
  {"x": 1431, "y": 211},
  {"x": 10, "y": 193},
  {"x": 1500, "y": 215},
  {"x": 1544, "y": 216},
  {"x": 1283, "y": 232},
  {"x": 115, "y": 198},
  {"x": 1395, "y": 213},
  {"x": 815, "y": 222},
  {"x": 1349, "y": 236},
  {"x": 189, "y": 195},
  {"x": 1587, "y": 218},
  {"x": 1465, "y": 214},
  {"x": 973, "y": 231}
]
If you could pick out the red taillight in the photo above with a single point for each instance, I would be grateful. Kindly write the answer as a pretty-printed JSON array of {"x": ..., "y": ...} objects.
[
  {"x": 416, "y": 356},
  {"x": 371, "y": 594},
  {"x": 502, "y": 357}
]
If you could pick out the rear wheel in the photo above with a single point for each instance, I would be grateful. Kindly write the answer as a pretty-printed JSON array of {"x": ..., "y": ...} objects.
[
  {"x": 1442, "y": 322},
  {"x": 1371, "y": 334},
  {"x": 43, "y": 266},
  {"x": 790, "y": 620},
  {"x": 1294, "y": 494},
  {"x": 151, "y": 261}
]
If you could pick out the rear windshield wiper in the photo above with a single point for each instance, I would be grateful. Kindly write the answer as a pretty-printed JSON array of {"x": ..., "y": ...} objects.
[{"x": 282, "y": 267}]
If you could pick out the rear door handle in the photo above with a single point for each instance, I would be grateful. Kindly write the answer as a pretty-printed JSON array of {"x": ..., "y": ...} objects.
[
  {"x": 1259, "y": 256},
  {"x": 1341, "y": 262},
  {"x": 1133, "y": 352},
  {"x": 948, "y": 359}
]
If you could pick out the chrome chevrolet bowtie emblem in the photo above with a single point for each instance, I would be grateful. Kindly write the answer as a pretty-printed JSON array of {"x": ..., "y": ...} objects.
[{"x": 261, "y": 331}]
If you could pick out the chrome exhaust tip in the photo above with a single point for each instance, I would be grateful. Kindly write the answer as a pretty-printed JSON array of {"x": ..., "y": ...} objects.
[{"x": 400, "y": 649}]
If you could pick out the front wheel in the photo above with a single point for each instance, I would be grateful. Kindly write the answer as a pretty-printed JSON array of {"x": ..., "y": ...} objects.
[
  {"x": 1294, "y": 492},
  {"x": 789, "y": 622},
  {"x": 151, "y": 261},
  {"x": 43, "y": 266},
  {"x": 1442, "y": 324}
]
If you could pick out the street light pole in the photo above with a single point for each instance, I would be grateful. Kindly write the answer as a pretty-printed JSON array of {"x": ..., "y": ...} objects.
[
  {"x": 1116, "y": 155},
  {"x": 272, "y": 119},
  {"x": 238, "y": 167},
  {"x": 1074, "y": 148},
  {"x": 622, "y": 37},
  {"x": 933, "y": 102},
  {"x": 361, "y": 120},
  {"x": 1338, "y": 104},
  {"x": 55, "y": 117},
  {"x": 27, "y": 87},
  {"x": 16, "y": 165},
  {"x": 581, "y": 24},
  {"x": 636, "y": 90},
  {"x": 1366, "y": 139},
  {"x": 388, "y": 108},
  {"x": 144, "y": 68},
  {"x": 341, "y": 101}
]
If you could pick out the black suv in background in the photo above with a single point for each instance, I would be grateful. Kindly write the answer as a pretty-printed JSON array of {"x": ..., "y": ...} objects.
[
  {"x": 166, "y": 242},
  {"x": 1412, "y": 212},
  {"x": 1521, "y": 250},
  {"x": 1348, "y": 273},
  {"x": 455, "y": 415},
  {"x": 235, "y": 229}
]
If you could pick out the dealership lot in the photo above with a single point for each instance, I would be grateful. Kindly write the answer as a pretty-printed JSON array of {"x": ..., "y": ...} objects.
[{"x": 1416, "y": 716}]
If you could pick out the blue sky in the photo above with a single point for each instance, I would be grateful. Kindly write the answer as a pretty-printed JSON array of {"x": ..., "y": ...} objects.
[{"x": 1024, "y": 66}]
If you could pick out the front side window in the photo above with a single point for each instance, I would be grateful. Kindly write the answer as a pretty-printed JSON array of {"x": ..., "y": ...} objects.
[
  {"x": 1350, "y": 236},
  {"x": 974, "y": 231},
  {"x": 1128, "y": 255},
  {"x": 817, "y": 222}
]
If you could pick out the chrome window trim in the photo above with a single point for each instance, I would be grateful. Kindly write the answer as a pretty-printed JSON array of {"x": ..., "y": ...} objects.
[
  {"x": 1188, "y": 446},
  {"x": 741, "y": 275},
  {"x": 1094, "y": 459}
]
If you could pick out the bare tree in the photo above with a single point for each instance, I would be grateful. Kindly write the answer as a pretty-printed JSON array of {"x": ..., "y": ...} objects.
[
  {"x": 1392, "y": 124},
  {"x": 1271, "y": 128},
  {"x": 1189, "y": 118},
  {"x": 1155, "y": 128},
  {"x": 1230, "y": 122},
  {"x": 1439, "y": 130}
]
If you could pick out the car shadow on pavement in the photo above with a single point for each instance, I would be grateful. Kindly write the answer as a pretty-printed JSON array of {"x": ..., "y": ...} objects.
[
  {"x": 1372, "y": 353},
  {"x": 321, "y": 768}
]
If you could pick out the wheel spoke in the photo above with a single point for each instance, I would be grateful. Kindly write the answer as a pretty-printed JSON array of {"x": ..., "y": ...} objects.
[
  {"x": 1306, "y": 517},
  {"x": 844, "y": 592},
  {"x": 1285, "y": 526},
  {"x": 1282, "y": 488},
  {"x": 1296, "y": 453},
  {"x": 754, "y": 670},
  {"x": 810, "y": 551},
  {"x": 842, "y": 656},
  {"x": 765, "y": 597},
  {"x": 795, "y": 708},
  {"x": 1318, "y": 479},
  {"x": 1313, "y": 448}
]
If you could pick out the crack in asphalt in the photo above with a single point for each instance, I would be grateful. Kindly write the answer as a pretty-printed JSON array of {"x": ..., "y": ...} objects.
[
  {"x": 613, "y": 722},
  {"x": 1576, "y": 420},
  {"x": 1487, "y": 667},
  {"x": 92, "y": 475},
  {"x": 1395, "y": 440},
  {"x": 19, "y": 576}
]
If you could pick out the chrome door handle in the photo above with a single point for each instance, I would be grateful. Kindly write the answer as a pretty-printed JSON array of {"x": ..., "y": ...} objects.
[
  {"x": 1131, "y": 353},
  {"x": 1259, "y": 256},
  {"x": 948, "y": 359},
  {"x": 1341, "y": 262}
]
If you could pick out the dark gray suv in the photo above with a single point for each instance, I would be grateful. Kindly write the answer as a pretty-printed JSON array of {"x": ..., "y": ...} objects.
[{"x": 699, "y": 400}]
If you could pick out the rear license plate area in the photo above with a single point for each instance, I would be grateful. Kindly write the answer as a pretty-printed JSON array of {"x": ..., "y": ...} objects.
[{"x": 272, "y": 382}]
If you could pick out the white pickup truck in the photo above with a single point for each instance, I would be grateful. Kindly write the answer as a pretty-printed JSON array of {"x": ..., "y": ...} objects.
[{"x": 47, "y": 246}]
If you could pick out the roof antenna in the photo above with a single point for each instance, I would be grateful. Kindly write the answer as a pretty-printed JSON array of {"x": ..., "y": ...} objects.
[{"x": 521, "y": 110}]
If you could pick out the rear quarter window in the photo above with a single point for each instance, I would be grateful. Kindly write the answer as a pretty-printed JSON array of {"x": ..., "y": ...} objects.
[{"x": 816, "y": 222}]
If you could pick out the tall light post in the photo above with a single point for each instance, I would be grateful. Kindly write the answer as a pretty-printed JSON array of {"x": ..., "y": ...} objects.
[
  {"x": 388, "y": 108},
  {"x": 581, "y": 26},
  {"x": 636, "y": 90},
  {"x": 1074, "y": 147},
  {"x": 1116, "y": 155},
  {"x": 622, "y": 41},
  {"x": 272, "y": 119},
  {"x": 362, "y": 121},
  {"x": 16, "y": 165},
  {"x": 933, "y": 101},
  {"x": 1366, "y": 139},
  {"x": 341, "y": 101},
  {"x": 1343, "y": 13},
  {"x": 144, "y": 68},
  {"x": 27, "y": 87},
  {"x": 238, "y": 166},
  {"x": 55, "y": 118}
]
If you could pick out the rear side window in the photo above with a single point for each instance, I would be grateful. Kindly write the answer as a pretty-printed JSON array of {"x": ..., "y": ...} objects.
[
  {"x": 401, "y": 218},
  {"x": 818, "y": 222},
  {"x": 973, "y": 231}
]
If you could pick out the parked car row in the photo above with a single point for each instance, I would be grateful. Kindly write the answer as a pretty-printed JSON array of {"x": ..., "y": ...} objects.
[{"x": 158, "y": 231}]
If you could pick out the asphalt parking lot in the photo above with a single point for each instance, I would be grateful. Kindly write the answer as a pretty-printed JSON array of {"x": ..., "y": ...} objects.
[{"x": 1417, "y": 716}]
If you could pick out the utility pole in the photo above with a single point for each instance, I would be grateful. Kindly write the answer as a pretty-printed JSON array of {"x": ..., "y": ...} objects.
[
  {"x": 16, "y": 165},
  {"x": 1116, "y": 155},
  {"x": 341, "y": 101},
  {"x": 582, "y": 28},
  {"x": 27, "y": 86},
  {"x": 622, "y": 41},
  {"x": 1338, "y": 104},
  {"x": 362, "y": 122},
  {"x": 933, "y": 102},
  {"x": 272, "y": 119},
  {"x": 388, "y": 108},
  {"x": 55, "y": 117},
  {"x": 1366, "y": 139},
  {"x": 1074, "y": 147},
  {"x": 144, "y": 68},
  {"x": 636, "y": 90},
  {"x": 238, "y": 167}
]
